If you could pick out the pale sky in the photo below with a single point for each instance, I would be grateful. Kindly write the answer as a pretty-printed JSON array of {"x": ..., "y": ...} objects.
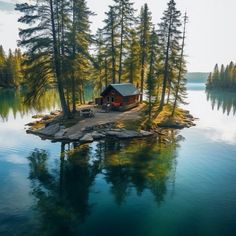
[{"x": 211, "y": 32}]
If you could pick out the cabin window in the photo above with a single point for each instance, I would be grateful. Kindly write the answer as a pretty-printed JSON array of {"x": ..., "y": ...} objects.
[
  {"x": 112, "y": 99},
  {"x": 108, "y": 99}
]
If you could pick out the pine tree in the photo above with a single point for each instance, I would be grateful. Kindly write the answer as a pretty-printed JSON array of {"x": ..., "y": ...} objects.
[
  {"x": 223, "y": 79},
  {"x": 111, "y": 39},
  {"x": 144, "y": 31},
  {"x": 222, "y": 75},
  {"x": 169, "y": 36},
  {"x": 216, "y": 75},
  {"x": 132, "y": 61},
  {"x": 125, "y": 20},
  {"x": 151, "y": 78},
  {"x": 2, "y": 66},
  {"x": 180, "y": 87},
  {"x": 81, "y": 40},
  {"x": 40, "y": 39}
]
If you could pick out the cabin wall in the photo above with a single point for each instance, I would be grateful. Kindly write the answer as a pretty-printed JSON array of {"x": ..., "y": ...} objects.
[
  {"x": 117, "y": 98},
  {"x": 130, "y": 100},
  {"x": 112, "y": 97}
]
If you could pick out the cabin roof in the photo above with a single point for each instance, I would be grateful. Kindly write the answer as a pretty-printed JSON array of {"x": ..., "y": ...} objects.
[{"x": 126, "y": 89}]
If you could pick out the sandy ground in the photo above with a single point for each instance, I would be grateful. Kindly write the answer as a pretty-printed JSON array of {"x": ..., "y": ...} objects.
[{"x": 102, "y": 117}]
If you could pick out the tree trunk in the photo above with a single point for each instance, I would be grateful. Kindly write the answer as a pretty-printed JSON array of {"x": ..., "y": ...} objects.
[
  {"x": 180, "y": 66},
  {"x": 73, "y": 88},
  {"x": 57, "y": 64},
  {"x": 121, "y": 46},
  {"x": 166, "y": 69},
  {"x": 113, "y": 53}
]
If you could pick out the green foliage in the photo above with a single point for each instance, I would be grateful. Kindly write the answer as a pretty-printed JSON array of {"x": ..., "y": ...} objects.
[
  {"x": 11, "y": 75},
  {"x": 56, "y": 38},
  {"x": 144, "y": 32},
  {"x": 125, "y": 15},
  {"x": 170, "y": 48},
  {"x": 58, "y": 42},
  {"x": 224, "y": 79}
]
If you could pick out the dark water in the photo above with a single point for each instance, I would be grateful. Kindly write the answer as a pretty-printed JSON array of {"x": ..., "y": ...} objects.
[{"x": 184, "y": 187}]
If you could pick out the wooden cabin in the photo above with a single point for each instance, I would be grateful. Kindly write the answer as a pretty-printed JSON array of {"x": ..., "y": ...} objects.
[{"x": 120, "y": 96}]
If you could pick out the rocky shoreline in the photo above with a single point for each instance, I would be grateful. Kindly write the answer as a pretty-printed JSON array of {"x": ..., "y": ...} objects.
[
  {"x": 52, "y": 127},
  {"x": 58, "y": 133}
]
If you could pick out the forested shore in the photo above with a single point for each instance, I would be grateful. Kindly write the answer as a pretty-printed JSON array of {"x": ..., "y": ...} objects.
[
  {"x": 223, "y": 78},
  {"x": 60, "y": 49},
  {"x": 11, "y": 70}
]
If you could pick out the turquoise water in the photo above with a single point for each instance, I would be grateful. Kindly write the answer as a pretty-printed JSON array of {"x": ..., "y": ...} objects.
[{"x": 184, "y": 187}]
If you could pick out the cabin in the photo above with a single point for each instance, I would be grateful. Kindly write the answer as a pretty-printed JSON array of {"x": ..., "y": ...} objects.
[{"x": 120, "y": 96}]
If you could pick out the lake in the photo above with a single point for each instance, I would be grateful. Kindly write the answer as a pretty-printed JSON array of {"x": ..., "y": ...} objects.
[{"x": 133, "y": 188}]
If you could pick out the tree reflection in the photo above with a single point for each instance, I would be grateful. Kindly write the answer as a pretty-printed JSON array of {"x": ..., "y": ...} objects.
[
  {"x": 226, "y": 101},
  {"x": 63, "y": 192},
  {"x": 13, "y": 101},
  {"x": 141, "y": 165}
]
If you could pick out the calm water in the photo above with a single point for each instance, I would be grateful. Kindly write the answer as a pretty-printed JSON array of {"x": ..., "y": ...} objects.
[{"x": 186, "y": 187}]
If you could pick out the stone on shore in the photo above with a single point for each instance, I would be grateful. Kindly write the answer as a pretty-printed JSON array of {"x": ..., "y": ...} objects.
[
  {"x": 87, "y": 138},
  {"x": 60, "y": 135},
  {"x": 49, "y": 131},
  {"x": 75, "y": 137},
  {"x": 124, "y": 134},
  {"x": 146, "y": 133},
  {"x": 97, "y": 135}
]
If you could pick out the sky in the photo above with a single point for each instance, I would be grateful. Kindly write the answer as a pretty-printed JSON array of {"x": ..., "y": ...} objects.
[{"x": 211, "y": 34}]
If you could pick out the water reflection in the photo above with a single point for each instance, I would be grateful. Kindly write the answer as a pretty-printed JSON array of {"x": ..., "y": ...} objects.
[
  {"x": 12, "y": 101},
  {"x": 225, "y": 101},
  {"x": 63, "y": 193}
]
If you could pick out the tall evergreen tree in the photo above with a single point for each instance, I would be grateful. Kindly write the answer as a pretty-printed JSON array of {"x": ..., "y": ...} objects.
[
  {"x": 151, "y": 78},
  {"x": 144, "y": 31},
  {"x": 125, "y": 15},
  {"x": 169, "y": 36},
  {"x": 132, "y": 61},
  {"x": 223, "y": 79},
  {"x": 40, "y": 39},
  {"x": 2, "y": 66},
  {"x": 111, "y": 39},
  {"x": 81, "y": 40},
  {"x": 180, "y": 86}
]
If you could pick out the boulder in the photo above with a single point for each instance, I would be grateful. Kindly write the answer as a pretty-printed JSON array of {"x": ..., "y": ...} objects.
[
  {"x": 48, "y": 131},
  {"x": 75, "y": 137},
  {"x": 87, "y": 138},
  {"x": 96, "y": 135},
  {"x": 129, "y": 134},
  {"x": 60, "y": 134},
  {"x": 112, "y": 133},
  {"x": 146, "y": 133},
  {"x": 47, "y": 117}
]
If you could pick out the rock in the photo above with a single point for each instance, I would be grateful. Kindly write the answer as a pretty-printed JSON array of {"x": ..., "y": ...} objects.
[
  {"x": 30, "y": 124},
  {"x": 96, "y": 135},
  {"x": 75, "y": 137},
  {"x": 124, "y": 134},
  {"x": 48, "y": 131},
  {"x": 117, "y": 130},
  {"x": 47, "y": 117},
  {"x": 88, "y": 128},
  {"x": 146, "y": 133},
  {"x": 112, "y": 133},
  {"x": 87, "y": 138},
  {"x": 60, "y": 134}
]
